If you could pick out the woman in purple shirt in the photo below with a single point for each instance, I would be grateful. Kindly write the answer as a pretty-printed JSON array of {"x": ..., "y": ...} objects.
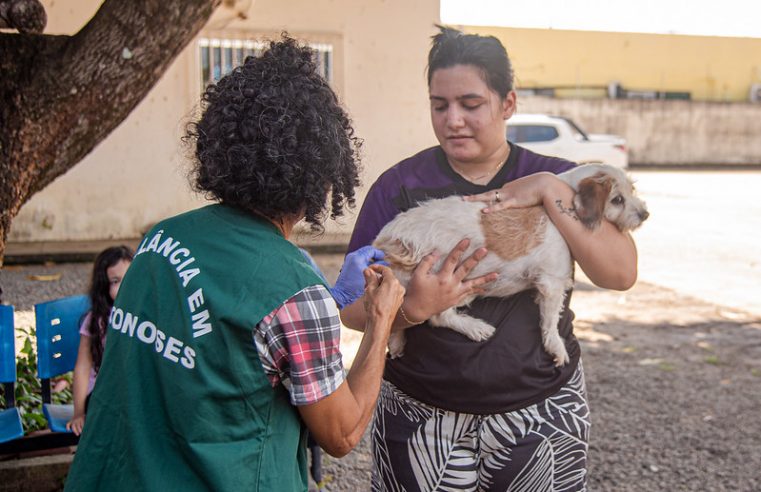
[{"x": 455, "y": 414}]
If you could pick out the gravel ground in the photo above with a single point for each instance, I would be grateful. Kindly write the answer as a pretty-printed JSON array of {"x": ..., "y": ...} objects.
[{"x": 674, "y": 385}]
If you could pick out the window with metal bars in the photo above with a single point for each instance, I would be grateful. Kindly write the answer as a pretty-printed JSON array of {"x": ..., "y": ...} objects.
[{"x": 219, "y": 56}]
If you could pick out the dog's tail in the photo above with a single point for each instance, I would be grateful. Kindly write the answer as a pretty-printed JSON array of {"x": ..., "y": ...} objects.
[{"x": 398, "y": 254}]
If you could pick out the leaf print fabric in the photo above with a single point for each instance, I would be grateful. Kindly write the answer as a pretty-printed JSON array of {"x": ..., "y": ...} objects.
[{"x": 420, "y": 448}]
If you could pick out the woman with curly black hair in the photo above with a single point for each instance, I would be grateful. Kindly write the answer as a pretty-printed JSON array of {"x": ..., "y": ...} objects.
[
  {"x": 280, "y": 132},
  {"x": 224, "y": 341}
]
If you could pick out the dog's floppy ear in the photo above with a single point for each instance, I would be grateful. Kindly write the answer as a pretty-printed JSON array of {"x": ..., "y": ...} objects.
[{"x": 591, "y": 198}]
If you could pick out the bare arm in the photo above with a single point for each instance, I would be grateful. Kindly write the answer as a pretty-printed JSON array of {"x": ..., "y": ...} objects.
[
  {"x": 82, "y": 369},
  {"x": 607, "y": 255},
  {"x": 338, "y": 421},
  {"x": 430, "y": 292}
]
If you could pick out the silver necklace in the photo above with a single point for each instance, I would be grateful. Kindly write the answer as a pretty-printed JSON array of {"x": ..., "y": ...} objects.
[{"x": 473, "y": 179}]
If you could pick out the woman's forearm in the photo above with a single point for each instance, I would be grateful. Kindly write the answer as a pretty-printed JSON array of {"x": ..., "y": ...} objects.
[
  {"x": 607, "y": 255},
  {"x": 355, "y": 318},
  {"x": 80, "y": 387},
  {"x": 82, "y": 369}
]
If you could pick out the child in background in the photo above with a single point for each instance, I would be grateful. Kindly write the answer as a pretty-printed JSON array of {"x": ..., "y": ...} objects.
[{"x": 108, "y": 270}]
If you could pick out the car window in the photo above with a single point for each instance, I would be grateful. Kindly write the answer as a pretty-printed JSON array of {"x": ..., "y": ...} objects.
[{"x": 531, "y": 133}]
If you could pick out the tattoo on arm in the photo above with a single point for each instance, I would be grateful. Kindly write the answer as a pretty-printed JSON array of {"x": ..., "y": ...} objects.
[{"x": 570, "y": 211}]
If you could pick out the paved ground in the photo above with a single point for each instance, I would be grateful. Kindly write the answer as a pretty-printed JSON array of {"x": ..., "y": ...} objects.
[{"x": 703, "y": 237}]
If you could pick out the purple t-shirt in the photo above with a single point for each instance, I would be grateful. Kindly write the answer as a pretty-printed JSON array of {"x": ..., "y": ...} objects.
[{"x": 440, "y": 367}]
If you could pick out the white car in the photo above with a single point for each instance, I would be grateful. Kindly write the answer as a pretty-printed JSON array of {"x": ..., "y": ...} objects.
[{"x": 561, "y": 137}]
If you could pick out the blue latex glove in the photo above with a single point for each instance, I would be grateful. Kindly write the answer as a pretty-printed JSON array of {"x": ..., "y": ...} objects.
[{"x": 351, "y": 282}]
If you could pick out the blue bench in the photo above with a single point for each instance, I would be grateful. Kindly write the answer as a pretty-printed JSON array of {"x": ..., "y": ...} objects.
[{"x": 10, "y": 419}]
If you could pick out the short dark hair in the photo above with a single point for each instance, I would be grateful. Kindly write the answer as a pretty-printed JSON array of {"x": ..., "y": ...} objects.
[
  {"x": 273, "y": 139},
  {"x": 452, "y": 47}
]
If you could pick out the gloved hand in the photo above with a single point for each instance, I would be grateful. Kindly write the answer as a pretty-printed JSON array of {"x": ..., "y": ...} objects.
[{"x": 351, "y": 282}]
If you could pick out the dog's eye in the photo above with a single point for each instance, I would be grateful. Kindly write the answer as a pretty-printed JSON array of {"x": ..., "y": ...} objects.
[{"x": 617, "y": 200}]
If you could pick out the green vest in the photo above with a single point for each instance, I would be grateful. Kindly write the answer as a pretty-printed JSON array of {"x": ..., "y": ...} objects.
[{"x": 181, "y": 401}]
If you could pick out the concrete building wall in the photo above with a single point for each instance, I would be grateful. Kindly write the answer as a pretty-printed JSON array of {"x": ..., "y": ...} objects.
[
  {"x": 666, "y": 132},
  {"x": 137, "y": 175}
]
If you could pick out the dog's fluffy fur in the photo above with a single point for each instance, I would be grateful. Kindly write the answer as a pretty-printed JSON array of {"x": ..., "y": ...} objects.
[{"x": 524, "y": 247}]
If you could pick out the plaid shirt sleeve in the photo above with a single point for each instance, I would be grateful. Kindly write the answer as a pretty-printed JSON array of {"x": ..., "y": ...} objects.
[{"x": 298, "y": 344}]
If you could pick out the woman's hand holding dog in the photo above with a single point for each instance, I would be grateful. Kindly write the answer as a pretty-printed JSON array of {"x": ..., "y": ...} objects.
[
  {"x": 430, "y": 292},
  {"x": 607, "y": 255},
  {"x": 528, "y": 191}
]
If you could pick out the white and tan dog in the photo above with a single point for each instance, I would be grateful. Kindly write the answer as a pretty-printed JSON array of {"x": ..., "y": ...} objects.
[{"x": 524, "y": 247}]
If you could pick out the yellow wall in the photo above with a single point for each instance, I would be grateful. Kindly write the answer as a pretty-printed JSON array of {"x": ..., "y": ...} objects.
[{"x": 711, "y": 68}]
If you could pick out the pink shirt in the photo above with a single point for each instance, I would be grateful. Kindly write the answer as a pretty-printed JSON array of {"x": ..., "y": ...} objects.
[{"x": 84, "y": 330}]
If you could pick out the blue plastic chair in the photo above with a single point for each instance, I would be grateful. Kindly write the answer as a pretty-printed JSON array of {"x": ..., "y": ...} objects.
[
  {"x": 57, "y": 324},
  {"x": 10, "y": 419}
]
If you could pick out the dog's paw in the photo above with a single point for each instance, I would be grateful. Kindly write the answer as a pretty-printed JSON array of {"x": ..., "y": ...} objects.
[
  {"x": 478, "y": 332},
  {"x": 473, "y": 328},
  {"x": 396, "y": 345},
  {"x": 556, "y": 348},
  {"x": 561, "y": 359}
]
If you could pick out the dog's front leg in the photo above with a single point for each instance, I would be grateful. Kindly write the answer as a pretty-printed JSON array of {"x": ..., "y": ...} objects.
[
  {"x": 550, "y": 300},
  {"x": 473, "y": 328}
]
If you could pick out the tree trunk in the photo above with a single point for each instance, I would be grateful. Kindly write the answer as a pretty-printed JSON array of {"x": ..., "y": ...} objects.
[{"x": 62, "y": 95}]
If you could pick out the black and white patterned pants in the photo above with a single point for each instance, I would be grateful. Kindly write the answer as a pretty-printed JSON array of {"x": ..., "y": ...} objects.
[{"x": 417, "y": 447}]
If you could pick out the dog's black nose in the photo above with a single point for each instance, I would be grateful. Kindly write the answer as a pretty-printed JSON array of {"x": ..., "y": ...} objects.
[{"x": 644, "y": 215}]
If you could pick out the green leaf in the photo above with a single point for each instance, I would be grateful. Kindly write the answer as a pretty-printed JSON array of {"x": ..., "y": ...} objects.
[{"x": 28, "y": 389}]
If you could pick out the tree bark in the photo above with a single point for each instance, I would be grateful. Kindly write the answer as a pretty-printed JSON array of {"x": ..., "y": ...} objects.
[
  {"x": 26, "y": 16},
  {"x": 62, "y": 95}
]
